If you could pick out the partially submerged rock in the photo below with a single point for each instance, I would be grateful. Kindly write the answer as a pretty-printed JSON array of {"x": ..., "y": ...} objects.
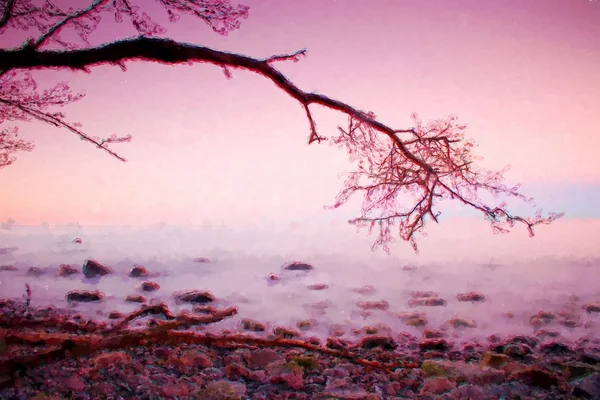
[
  {"x": 426, "y": 298},
  {"x": 297, "y": 266},
  {"x": 365, "y": 290},
  {"x": 383, "y": 342},
  {"x": 93, "y": 268},
  {"x": 201, "y": 260},
  {"x": 8, "y": 267},
  {"x": 148, "y": 286},
  {"x": 374, "y": 305},
  {"x": 201, "y": 309},
  {"x": 542, "y": 318},
  {"x": 427, "y": 302},
  {"x": 427, "y": 294},
  {"x": 473, "y": 297},
  {"x": 194, "y": 296},
  {"x": 135, "y": 298},
  {"x": 84, "y": 295},
  {"x": 35, "y": 271},
  {"x": 65, "y": 270},
  {"x": 252, "y": 325},
  {"x": 318, "y": 286},
  {"x": 138, "y": 271},
  {"x": 285, "y": 332},
  {"x": 305, "y": 324},
  {"x": 457, "y": 322},
  {"x": 412, "y": 318},
  {"x": 592, "y": 307},
  {"x": 115, "y": 315}
]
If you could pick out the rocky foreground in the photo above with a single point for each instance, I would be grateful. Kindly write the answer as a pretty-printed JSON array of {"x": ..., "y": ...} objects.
[{"x": 48, "y": 353}]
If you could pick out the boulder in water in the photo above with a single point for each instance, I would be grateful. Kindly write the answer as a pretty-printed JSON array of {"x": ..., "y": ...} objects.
[
  {"x": 8, "y": 268},
  {"x": 194, "y": 296},
  {"x": 138, "y": 271},
  {"x": 297, "y": 266},
  {"x": 592, "y": 307},
  {"x": 427, "y": 302},
  {"x": 64, "y": 270},
  {"x": 474, "y": 297},
  {"x": 318, "y": 286},
  {"x": 115, "y": 315},
  {"x": 148, "y": 286},
  {"x": 252, "y": 325},
  {"x": 365, "y": 290},
  {"x": 84, "y": 295},
  {"x": 201, "y": 260},
  {"x": 374, "y": 305},
  {"x": 35, "y": 271},
  {"x": 135, "y": 298},
  {"x": 93, "y": 268}
]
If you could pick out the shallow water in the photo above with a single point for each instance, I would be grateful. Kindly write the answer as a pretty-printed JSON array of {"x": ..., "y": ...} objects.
[{"x": 239, "y": 278}]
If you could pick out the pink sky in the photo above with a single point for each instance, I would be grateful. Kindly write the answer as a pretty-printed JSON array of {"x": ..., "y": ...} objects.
[{"x": 523, "y": 74}]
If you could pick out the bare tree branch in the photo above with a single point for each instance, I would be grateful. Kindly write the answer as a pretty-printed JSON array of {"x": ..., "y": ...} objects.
[
  {"x": 402, "y": 173},
  {"x": 170, "y": 52},
  {"x": 6, "y": 12}
]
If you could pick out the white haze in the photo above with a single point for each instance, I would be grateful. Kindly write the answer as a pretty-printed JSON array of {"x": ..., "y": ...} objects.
[{"x": 242, "y": 259}]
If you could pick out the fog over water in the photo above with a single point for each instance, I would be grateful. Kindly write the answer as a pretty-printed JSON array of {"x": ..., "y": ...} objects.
[{"x": 241, "y": 260}]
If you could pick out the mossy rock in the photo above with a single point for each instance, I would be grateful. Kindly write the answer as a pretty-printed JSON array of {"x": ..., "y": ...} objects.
[{"x": 308, "y": 363}]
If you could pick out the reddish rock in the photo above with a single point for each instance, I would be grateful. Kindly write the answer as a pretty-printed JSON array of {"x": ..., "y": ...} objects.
[
  {"x": 148, "y": 286},
  {"x": 35, "y": 271},
  {"x": 201, "y": 260},
  {"x": 318, "y": 286},
  {"x": 427, "y": 302},
  {"x": 535, "y": 376},
  {"x": 135, "y": 298},
  {"x": 374, "y": 305},
  {"x": 286, "y": 333},
  {"x": 547, "y": 333},
  {"x": 115, "y": 315},
  {"x": 138, "y": 271},
  {"x": 252, "y": 325},
  {"x": 474, "y": 297},
  {"x": 430, "y": 334},
  {"x": 297, "y": 266},
  {"x": 305, "y": 324},
  {"x": 592, "y": 307},
  {"x": 384, "y": 342},
  {"x": 65, "y": 270},
  {"x": 288, "y": 373},
  {"x": 434, "y": 344},
  {"x": 259, "y": 359},
  {"x": 75, "y": 383},
  {"x": 93, "y": 268},
  {"x": 84, "y": 295},
  {"x": 365, "y": 290},
  {"x": 437, "y": 386},
  {"x": 194, "y": 296},
  {"x": 204, "y": 309},
  {"x": 345, "y": 389},
  {"x": 494, "y": 360},
  {"x": 8, "y": 267},
  {"x": 462, "y": 323},
  {"x": 427, "y": 294}
]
